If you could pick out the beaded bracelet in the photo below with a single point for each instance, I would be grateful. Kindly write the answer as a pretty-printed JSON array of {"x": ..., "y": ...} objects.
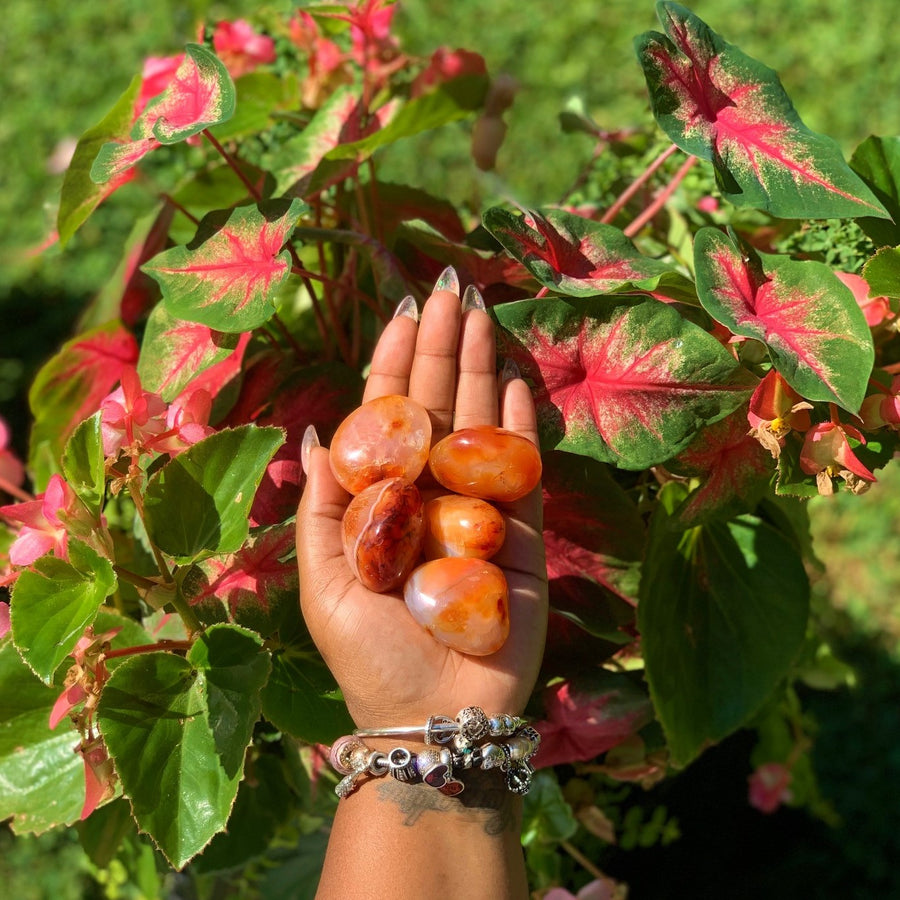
[{"x": 435, "y": 767}]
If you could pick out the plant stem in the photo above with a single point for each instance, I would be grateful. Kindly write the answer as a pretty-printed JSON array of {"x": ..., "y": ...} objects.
[
  {"x": 149, "y": 648},
  {"x": 581, "y": 859},
  {"x": 167, "y": 198},
  {"x": 661, "y": 199},
  {"x": 635, "y": 185},
  {"x": 285, "y": 333},
  {"x": 9, "y": 488},
  {"x": 133, "y": 578},
  {"x": 254, "y": 193}
]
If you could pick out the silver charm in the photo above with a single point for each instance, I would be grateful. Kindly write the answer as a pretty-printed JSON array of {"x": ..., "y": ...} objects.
[
  {"x": 402, "y": 765},
  {"x": 473, "y": 725},
  {"x": 440, "y": 730},
  {"x": 518, "y": 778}
]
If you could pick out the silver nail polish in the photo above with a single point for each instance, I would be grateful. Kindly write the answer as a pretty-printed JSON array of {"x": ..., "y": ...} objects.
[
  {"x": 472, "y": 299},
  {"x": 309, "y": 442},
  {"x": 407, "y": 307},
  {"x": 449, "y": 281}
]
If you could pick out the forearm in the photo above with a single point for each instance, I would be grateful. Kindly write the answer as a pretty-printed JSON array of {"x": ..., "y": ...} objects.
[{"x": 408, "y": 842}]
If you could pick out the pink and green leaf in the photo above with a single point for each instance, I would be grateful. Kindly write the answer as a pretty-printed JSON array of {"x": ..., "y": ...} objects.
[
  {"x": 228, "y": 275},
  {"x": 814, "y": 330},
  {"x": 199, "y": 96},
  {"x": 571, "y": 254},
  {"x": 719, "y": 104},
  {"x": 629, "y": 383}
]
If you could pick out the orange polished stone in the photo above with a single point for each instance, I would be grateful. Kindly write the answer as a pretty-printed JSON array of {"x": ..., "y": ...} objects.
[
  {"x": 462, "y": 526},
  {"x": 382, "y": 532},
  {"x": 464, "y": 603},
  {"x": 388, "y": 437},
  {"x": 486, "y": 462}
]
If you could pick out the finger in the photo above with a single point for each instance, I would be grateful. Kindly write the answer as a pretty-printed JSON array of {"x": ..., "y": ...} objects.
[
  {"x": 392, "y": 359},
  {"x": 476, "y": 392},
  {"x": 432, "y": 381}
]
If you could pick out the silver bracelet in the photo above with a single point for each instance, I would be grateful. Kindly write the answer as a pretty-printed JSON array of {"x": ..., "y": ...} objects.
[{"x": 470, "y": 726}]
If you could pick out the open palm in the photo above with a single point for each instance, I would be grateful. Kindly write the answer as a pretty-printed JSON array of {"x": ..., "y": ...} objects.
[{"x": 389, "y": 668}]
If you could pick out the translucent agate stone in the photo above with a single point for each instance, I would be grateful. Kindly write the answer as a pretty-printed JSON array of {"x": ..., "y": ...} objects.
[
  {"x": 463, "y": 602},
  {"x": 382, "y": 532},
  {"x": 486, "y": 462},
  {"x": 462, "y": 526},
  {"x": 388, "y": 437}
]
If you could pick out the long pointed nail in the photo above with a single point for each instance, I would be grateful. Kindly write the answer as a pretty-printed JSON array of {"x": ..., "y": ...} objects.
[
  {"x": 407, "y": 307},
  {"x": 449, "y": 281},
  {"x": 509, "y": 371},
  {"x": 472, "y": 299},
  {"x": 309, "y": 442}
]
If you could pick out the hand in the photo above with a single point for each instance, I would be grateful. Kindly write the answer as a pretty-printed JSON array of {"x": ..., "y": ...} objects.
[{"x": 391, "y": 670}]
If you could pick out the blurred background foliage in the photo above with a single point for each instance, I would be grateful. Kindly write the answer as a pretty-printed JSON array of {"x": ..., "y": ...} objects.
[{"x": 64, "y": 62}]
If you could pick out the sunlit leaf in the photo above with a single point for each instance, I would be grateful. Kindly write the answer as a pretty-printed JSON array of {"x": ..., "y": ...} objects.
[
  {"x": 721, "y": 105},
  {"x": 628, "y": 382},
  {"x": 83, "y": 464},
  {"x": 812, "y": 326},
  {"x": 228, "y": 275},
  {"x": 877, "y": 161},
  {"x": 882, "y": 272}
]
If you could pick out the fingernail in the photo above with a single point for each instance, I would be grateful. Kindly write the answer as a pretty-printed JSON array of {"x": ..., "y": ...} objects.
[
  {"x": 309, "y": 442},
  {"x": 407, "y": 307},
  {"x": 509, "y": 371},
  {"x": 472, "y": 299},
  {"x": 449, "y": 281}
]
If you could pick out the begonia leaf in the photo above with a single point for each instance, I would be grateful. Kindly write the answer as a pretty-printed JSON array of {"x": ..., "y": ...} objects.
[
  {"x": 80, "y": 195},
  {"x": 571, "y": 254},
  {"x": 227, "y": 276},
  {"x": 258, "y": 96},
  {"x": 200, "y": 95},
  {"x": 177, "y": 729},
  {"x": 83, "y": 464},
  {"x": 628, "y": 381},
  {"x": 53, "y": 602},
  {"x": 42, "y": 778},
  {"x": 594, "y": 538},
  {"x": 547, "y": 816},
  {"x": 71, "y": 385},
  {"x": 174, "y": 351},
  {"x": 882, "y": 272},
  {"x": 808, "y": 319},
  {"x": 722, "y": 615},
  {"x": 735, "y": 469},
  {"x": 719, "y": 104},
  {"x": 198, "y": 503},
  {"x": 877, "y": 161}
]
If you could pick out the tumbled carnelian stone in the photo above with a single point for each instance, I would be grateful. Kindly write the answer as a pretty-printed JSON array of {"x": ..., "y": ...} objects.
[
  {"x": 382, "y": 533},
  {"x": 486, "y": 462},
  {"x": 462, "y": 526},
  {"x": 388, "y": 437},
  {"x": 463, "y": 602}
]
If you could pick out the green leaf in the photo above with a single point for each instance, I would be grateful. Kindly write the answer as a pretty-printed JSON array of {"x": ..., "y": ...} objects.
[
  {"x": 877, "y": 161},
  {"x": 722, "y": 614},
  {"x": 80, "y": 195},
  {"x": 42, "y": 778},
  {"x": 721, "y": 105},
  {"x": 812, "y": 326},
  {"x": 228, "y": 276},
  {"x": 882, "y": 273},
  {"x": 54, "y": 601},
  {"x": 83, "y": 464},
  {"x": 625, "y": 381},
  {"x": 259, "y": 95},
  {"x": 547, "y": 818},
  {"x": 200, "y": 502},
  {"x": 177, "y": 730}
]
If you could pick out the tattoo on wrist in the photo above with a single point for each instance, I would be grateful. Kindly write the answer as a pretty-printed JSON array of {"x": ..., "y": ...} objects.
[{"x": 485, "y": 797}]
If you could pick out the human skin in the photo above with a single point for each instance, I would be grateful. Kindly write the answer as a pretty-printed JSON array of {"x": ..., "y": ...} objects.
[{"x": 410, "y": 841}]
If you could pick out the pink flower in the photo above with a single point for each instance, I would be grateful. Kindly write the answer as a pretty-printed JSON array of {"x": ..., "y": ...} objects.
[
  {"x": 882, "y": 408},
  {"x": 186, "y": 423},
  {"x": 241, "y": 48},
  {"x": 131, "y": 417},
  {"x": 775, "y": 410},
  {"x": 826, "y": 454},
  {"x": 42, "y": 529},
  {"x": 769, "y": 787},
  {"x": 11, "y": 469},
  {"x": 445, "y": 65},
  {"x": 708, "y": 204},
  {"x": 581, "y": 726},
  {"x": 599, "y": 889},
  {"x": 876, "y": 309},
  {"x": 99, "y": 776}
]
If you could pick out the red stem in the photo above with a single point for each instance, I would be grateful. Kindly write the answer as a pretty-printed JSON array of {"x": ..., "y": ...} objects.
[
  {"x": 833, "y": 412},
  {"x": 661, "y": 199},
  {"x": 9, "y": 488},
  {"x": 172, "y": 202},
  {"x": 636, "y": 185},
  {"x": 149, "y": 648},
  {"x": 254, "y": 193}
]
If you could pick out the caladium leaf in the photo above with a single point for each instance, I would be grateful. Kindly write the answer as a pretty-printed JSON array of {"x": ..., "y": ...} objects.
[
  {"x": 722, "y": 614},
  {"x": 877, "y": 161},
  {"x": 71, "y": 386},
  {"x": 571, "y": 254},
  {"x": 197, "y": 504},
  {"x": 719, "y": 104},
  {"x": 629, "y": 383},
  {"x": 227, "y": 276},
  {"x": 200, "y": 95},
  {"x": 812, "y": 326},
  {"x": 174, "y": 351},
  {"x": 882, "y": 272}
]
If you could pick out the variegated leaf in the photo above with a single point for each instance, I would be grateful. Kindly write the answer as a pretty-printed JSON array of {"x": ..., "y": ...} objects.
[{"x": 721, "y": 105}]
